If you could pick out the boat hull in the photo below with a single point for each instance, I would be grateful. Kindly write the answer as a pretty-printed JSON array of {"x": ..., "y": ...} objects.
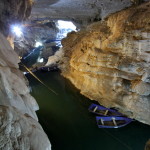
[
  {"x": 112, "y": 121},
  {"x": 103, "y": 111}
]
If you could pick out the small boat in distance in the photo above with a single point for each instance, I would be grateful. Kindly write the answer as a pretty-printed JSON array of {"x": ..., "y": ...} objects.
[
  {"x": 46, "y": 69},
  {"x": 112, "y": 122},
  {"x": 103, "y": 111}
]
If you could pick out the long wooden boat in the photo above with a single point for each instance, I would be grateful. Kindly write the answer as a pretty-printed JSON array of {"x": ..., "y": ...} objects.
[
  {"x": 103, "y": 111},
  {"x": 112, "y": 122}
]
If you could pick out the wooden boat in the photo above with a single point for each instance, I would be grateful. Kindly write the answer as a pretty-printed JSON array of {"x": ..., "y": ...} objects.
[
  {"x": 46, "y": 69},
  {"x": 103, "y": 111},
  {"x": 112, "y": 122}
]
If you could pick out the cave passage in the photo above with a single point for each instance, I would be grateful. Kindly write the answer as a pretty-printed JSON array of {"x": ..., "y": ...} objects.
[
  {"x": 34, "y": 56},
  {"x": 69, "y": 125},
  {"x": 65, "y": 117}
]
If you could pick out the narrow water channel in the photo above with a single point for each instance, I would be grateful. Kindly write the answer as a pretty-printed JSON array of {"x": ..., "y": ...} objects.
[{"x": 69, "y": 125}]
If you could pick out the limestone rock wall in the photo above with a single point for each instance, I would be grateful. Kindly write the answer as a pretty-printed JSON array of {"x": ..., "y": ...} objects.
[
  {"x": 20, "y": 132},
  {"x": 14, "y": 91},
  {"x": 110, "y": 61},
  {"x": 18, "y": 121},
  {"x": 19, "y": 127}
]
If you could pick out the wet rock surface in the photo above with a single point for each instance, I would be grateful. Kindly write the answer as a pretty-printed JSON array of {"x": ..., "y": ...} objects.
[
  {"x": 14, "y": 91},
  {"x": 109, "y": 61}
]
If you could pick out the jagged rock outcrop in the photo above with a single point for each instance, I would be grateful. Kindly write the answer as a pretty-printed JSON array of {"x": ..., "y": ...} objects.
[
  {"x": 110, "y": 61},
  {"x": 14, "y": 91},
  {"x": 18, "y": 121},
  {"x": 83, "y": 12},
  {"x": 19, "y": 126},
  {"x": 80, "y": 12},
  {"x": 20, "y": 131}
]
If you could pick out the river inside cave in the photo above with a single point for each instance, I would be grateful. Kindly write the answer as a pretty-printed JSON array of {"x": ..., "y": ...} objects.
[
  {"x": 69, "y": 125},
  {"x": 67, "y": 122}
]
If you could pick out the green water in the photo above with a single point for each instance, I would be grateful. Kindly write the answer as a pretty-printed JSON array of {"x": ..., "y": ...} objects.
[{"x": 69, "y": 125}]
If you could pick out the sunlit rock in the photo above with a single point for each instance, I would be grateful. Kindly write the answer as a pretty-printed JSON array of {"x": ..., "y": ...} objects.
[
  {"x": 56, "y": 58},
  {"x": 109, "y": 61},
  {"x": 14, "y": 91}
]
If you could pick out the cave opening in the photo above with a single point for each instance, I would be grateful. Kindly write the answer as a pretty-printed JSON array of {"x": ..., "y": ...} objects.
[{"x": 41, "y": 46}]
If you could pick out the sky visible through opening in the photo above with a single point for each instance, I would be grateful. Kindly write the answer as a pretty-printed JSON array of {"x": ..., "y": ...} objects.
[{"x": 64, "y": 28}]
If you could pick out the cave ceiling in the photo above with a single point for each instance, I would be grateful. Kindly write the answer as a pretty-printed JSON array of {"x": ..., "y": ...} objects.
[{"x": 76, "y": 9}]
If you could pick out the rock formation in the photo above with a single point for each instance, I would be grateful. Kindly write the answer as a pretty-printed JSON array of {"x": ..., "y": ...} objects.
[
  {"x": 20, "y": 131},
  {"x": 19, "y": 125},
  {"x": 110, "y": 61},
  {"x": 83, "y": 12}
]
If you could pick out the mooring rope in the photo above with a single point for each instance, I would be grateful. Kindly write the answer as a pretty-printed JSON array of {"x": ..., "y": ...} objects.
[{"x": 38, "y": 79}]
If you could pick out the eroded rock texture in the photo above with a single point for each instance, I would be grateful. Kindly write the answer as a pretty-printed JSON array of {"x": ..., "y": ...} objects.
[
  {"x": 18, "y": 131},
  {"x": 13, "y": 11},
  {"x": 14, "y": 91},
  {"x": 110, "y": 61}
]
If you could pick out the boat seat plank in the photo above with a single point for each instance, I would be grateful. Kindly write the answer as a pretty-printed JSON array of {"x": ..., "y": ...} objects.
[
  {"x": 95, "y": 108},
  {"x": 106, "y": 113},
  {"x": 102, "y": 121},
  {"x": 114, "y": 121}
]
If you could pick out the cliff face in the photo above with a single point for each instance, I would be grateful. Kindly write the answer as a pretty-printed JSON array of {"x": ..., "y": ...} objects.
[
  {"x": 18, "y": 121},
  {"x": 109, "y": 61},
  {"x": 19, "y": 126},
  {"x": 19, "y": 131}
]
